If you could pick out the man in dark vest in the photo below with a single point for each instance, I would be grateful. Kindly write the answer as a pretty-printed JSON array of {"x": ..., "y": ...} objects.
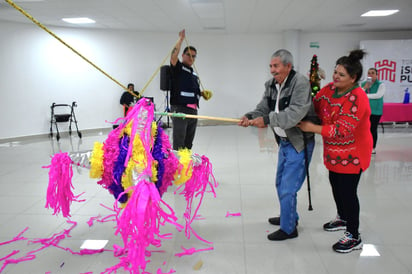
[{"x": 185, "y": 94}]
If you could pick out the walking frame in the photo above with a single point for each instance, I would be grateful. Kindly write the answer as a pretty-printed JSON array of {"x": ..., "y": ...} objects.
[{"x": 63, "y": 118}]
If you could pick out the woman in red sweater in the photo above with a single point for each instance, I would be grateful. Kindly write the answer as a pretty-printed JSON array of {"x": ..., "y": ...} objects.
[{"x": 343, "y": 108}]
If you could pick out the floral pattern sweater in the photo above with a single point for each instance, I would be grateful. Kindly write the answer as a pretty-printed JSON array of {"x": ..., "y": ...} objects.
[{"x": 347, "y": 141}]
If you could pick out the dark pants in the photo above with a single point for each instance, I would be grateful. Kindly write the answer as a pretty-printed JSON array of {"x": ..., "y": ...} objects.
[
  {"x": 374, "y": 127},
  {"x": 344, "y": 189},
  {"x": 184, "y": 129}
]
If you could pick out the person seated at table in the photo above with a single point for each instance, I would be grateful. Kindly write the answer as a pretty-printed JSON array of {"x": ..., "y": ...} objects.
[
  {"x": 128, "y": 99},
  {"x": 375, "y": 90}
]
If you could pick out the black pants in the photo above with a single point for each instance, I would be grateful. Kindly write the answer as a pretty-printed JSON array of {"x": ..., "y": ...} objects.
[
  {"x": 184, "y": 129},
  {"x": 344, "y": 189},
  {"x": 374, "y": 127}
]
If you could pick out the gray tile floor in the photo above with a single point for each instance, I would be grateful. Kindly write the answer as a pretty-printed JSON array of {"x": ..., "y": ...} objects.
[{"x": 244, "y": 165}]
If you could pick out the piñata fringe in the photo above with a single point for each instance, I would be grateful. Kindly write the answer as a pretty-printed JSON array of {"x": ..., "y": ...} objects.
[{"x": 59, "y": 191}]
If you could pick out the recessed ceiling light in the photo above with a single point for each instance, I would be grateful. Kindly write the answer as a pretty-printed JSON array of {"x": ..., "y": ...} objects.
[
  {"x": 379, "y": 13},
  {"x": 79, "y": 20}
]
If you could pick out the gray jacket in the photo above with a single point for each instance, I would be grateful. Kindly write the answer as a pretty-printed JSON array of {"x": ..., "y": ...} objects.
[{"x": 295, "y": 104}]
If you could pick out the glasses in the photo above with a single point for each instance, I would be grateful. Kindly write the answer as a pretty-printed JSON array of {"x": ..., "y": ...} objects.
[{"x": 192, "y": 56}]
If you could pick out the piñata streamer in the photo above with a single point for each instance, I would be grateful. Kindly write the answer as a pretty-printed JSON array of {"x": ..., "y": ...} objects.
[
  {"x": 197, "y": 186},
  {"x": 111, "y": 153},
  {"x": 116, "y": 187},
  {"x": 137, "y": 167},
  {"x": 59, "y": 190},
  {"x": 185, "y": 168}
]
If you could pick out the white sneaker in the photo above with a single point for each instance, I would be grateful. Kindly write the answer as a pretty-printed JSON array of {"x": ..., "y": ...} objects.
[{"x": 373, "y": 151}]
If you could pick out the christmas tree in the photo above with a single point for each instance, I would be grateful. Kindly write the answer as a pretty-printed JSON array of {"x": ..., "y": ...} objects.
[{"x": 314, "y": 77}]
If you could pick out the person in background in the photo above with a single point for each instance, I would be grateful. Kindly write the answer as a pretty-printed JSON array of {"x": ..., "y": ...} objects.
[
  {"x": 185, "y": 94},
  {"x": 375, "y": 90},
  {"x": 128, "y": 99},
  {"x": 286, "y": 101},
  {"x": 344, "y": 111}
]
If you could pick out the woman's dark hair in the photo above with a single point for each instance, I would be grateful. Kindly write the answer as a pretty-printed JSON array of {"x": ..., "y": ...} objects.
[{"x": 352, "y": 63}]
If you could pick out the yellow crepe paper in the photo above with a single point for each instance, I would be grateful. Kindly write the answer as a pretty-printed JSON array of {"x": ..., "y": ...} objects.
[
  {"x": 96, "y": 161},
  {"x": 184, "y": 172}
]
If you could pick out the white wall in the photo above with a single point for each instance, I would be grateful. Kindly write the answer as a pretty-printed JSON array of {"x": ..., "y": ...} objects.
[
  {"x": 334, "y": 45},
  {"x": 37, "y": 70}
]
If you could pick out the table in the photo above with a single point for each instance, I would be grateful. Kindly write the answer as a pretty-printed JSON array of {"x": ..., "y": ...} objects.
[{"x": 396, "y": 112}]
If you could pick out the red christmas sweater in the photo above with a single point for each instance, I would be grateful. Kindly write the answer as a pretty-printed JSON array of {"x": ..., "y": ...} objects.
[{"x": 347, "y": 141}]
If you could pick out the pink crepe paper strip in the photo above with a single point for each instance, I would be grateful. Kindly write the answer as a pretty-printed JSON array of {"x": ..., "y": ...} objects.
[
  {"x": 17, "y": 238},
  {"x": 233, "y": 214},
  {"x": 108, "y": 218},
  {"x": 8, "y": 256},
  {"x": 14, "y": 252},
  {"x": 52, "y": 241},
  {"x": 111, "y": 151},
  {"x": 171, "y": 164},
  {"x": 139, "y": 224},
  {"x": 196, "y": 186},
  {"x": 16, "y": 261},
  {"x": 92, "y": 219},
  {"x": 100, "y": 219},
  {"x": 59, "y": 191},
  {"x": 159, "y": 271},
  {"x": 142, "y": 115},
  {"x": 57, "y": 237},
  {"x": 76, "y": 198},
  {"x": 192, "y": 250}
]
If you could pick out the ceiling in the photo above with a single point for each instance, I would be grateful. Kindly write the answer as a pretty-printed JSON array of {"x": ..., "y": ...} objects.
[{"x": 216, "y": 16}]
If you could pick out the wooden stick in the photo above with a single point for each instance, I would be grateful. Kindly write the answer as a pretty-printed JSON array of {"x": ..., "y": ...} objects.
[{"x": 183, "y": 115}]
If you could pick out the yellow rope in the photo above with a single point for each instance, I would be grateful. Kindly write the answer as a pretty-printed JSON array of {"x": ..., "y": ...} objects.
[
  {"x": 194, "y": 66},
  {"x": 164, "y": 60},
  {"x": 67, "y": 45},
  {"x": 90, "y": 62},
  {"x": 157, "y": 70}
]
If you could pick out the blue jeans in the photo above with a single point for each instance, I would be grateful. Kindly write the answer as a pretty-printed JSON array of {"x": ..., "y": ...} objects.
[{"x": 290, "y": 175}]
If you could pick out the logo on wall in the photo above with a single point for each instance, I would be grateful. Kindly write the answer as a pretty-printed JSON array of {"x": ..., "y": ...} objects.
[
  {"x": 406, "y": 71},
  {"x": 386, "y": 70}
]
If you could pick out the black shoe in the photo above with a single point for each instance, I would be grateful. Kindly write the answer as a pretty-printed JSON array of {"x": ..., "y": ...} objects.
[
  {"x": 347, "y": 243},
  {"x": 276, "y": 221},
  {"x": 281, "y": 235}
]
